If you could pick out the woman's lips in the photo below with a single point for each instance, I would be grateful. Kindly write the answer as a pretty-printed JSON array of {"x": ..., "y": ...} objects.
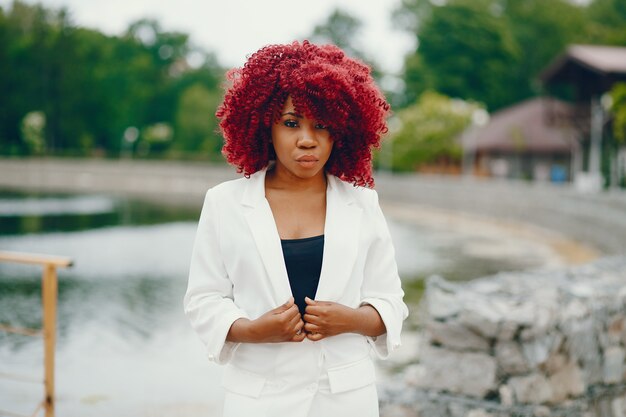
[{"x": 307, "y": 161}]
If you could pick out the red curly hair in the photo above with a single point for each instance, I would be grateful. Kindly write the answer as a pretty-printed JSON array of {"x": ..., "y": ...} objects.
[{"x": 324, "y": 84}]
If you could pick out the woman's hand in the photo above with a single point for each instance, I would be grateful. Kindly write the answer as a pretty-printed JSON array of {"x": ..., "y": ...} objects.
[
  {"x": 282, "y": 324},
  {"x": 326, "y": 318}
]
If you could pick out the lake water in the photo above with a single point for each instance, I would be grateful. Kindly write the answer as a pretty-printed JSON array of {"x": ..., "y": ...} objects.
[{"x": 124, "y": 347}]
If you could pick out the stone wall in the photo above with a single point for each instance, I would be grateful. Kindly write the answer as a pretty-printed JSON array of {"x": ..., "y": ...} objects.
[{"x": 532, "y": 343}]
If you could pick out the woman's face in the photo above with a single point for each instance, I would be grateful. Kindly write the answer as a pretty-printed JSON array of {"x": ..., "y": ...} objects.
[{"x": 302, "y": 145}]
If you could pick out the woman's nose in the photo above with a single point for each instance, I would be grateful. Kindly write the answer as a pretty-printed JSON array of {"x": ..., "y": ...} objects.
[{"x": 307, "y": 139}]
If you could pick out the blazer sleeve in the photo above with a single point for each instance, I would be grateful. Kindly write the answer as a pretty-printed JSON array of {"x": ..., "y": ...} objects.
[
  {"x": 381, "y": 286},
  {"x": 208, "y": 302}
]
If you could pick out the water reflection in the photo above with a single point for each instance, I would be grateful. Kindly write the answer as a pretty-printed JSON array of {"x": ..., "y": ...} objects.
[
  {"x": 47, "y": 206},
  {"x": 22, "y": 213},
  {"x": 124, "y": 347}
]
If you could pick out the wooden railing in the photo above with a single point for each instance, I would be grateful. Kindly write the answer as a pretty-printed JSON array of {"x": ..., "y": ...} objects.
[{"x": 49, "y": 287}]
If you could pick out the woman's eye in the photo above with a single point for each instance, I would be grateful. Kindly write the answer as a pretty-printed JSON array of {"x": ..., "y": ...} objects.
[
  {"x": 321, "y": 126},
  {"x": 291, "y": 123}
]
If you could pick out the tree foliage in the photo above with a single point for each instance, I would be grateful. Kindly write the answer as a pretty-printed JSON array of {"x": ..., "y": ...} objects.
[
  {"x": 542, "y": 29},
  {"x": 428, "y": 132},
  {"x": 469, "y": 52},
  {"x": 342, "y": 29},
  {"x": 493, "y": 50},
  {"x": 607, "y": 22},
  {"x": 91, "y": 87},
  {"x": 618, "y": 108},
  {"x": 195, "y": 121}
]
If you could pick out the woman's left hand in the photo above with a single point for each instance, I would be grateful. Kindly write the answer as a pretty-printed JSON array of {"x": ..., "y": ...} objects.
[{"x": 326, "y": 318}]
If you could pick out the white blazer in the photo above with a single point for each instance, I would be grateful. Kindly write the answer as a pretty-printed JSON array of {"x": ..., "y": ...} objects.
[{"x": 237, "y": 270}]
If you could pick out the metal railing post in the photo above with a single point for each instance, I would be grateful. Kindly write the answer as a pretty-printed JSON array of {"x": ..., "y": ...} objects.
[
  {"x": 49, "y": 299},
  {"x": 49, "y": 292}
]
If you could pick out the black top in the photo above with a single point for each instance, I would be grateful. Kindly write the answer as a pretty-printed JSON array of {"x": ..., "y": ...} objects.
[{"x": 303, "y": 259}]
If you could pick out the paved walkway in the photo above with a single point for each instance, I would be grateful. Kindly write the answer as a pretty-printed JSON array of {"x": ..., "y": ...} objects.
[
  {"x": 175, "y": 182},
  {"x": 598, "y": 220},
  {"x": 595, "y": 220}
]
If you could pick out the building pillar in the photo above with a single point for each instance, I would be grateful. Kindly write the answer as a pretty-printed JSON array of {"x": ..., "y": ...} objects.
[
  {"x": 592, "y": 180},
  {"x": 595, "y": 149}
]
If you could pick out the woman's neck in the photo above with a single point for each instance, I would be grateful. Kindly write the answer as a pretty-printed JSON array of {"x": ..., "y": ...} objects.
[{"x": 278, "y": 178}]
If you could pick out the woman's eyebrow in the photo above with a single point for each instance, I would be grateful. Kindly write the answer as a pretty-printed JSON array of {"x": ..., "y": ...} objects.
[{"x": 291, "y": 113}]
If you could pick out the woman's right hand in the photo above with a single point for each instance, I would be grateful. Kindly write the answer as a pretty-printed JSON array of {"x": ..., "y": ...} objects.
[{"x": 282, "y": 324}]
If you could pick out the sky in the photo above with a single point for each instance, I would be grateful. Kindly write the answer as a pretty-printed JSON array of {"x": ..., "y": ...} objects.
[{"x": 233, "y": 29}]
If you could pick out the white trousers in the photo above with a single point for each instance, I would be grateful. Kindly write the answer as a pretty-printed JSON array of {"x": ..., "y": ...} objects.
[
  {"x": 315, "y": 400},
  {"x": 362, "y": 402}
]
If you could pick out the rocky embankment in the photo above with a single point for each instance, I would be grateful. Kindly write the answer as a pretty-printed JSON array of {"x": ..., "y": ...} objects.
[{"x": 533, "y": 343}]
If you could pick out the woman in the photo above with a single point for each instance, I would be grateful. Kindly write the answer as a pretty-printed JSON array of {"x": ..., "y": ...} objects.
[{"x": 293, "y": 279}]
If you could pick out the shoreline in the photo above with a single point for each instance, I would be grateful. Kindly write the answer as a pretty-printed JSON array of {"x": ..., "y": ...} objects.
[
  {"x": 568, "y": 251},
  {"x": 578, "y": 227}
]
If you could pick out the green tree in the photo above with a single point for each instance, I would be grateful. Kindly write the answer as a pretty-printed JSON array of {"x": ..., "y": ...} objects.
[
  {"x": 542, "y": 29},
  {"x": 341, "y": 29},
  {"x": 618, "y": 108},
  {"x": 167, "y": 52},
  {"x": 617, "y": 141},
  {"x": 90, "y": 87},
  {"x": 428, "y": 132},
  {"x": 417, "y": 79},
  {"x": 469, "y": 52},
  {"x": 196, "y": 125},
  {"x": 607, "y": 22},
  {"x": 24, "y": 34},
  {"x": 6, "y": 145},
  {"x": 33, "y": 131},
  {"x": 155, "y": 139},
  {"x": 410, "y": 14},
  {"x": 486, "y": 50}
]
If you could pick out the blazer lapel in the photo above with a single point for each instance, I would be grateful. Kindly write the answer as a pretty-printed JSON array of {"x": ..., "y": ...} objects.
[
  {"x": 341, "y": 237},
  {"x": 263, "y": 227}
]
